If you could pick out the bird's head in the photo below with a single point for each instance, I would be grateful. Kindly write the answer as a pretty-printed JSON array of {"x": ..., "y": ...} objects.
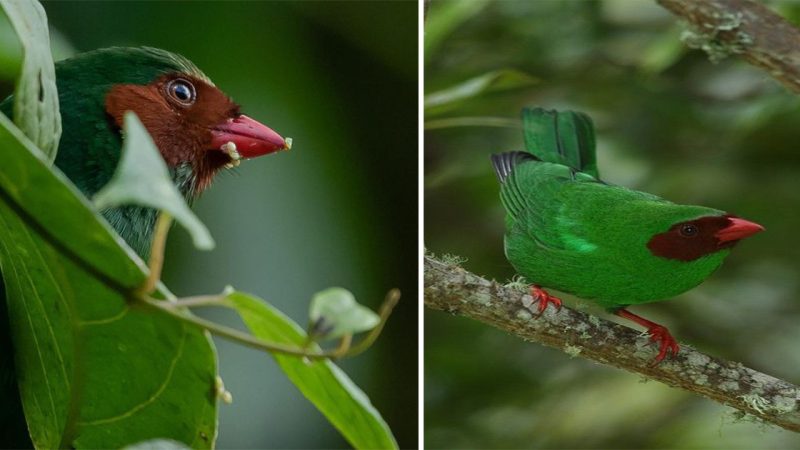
[
  {"x": 691, "y": 239},
  {"x": 197, "y": 128}
]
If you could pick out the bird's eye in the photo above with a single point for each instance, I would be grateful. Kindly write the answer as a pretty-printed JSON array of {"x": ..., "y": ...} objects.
[
  {"x": 181, "y": 91},
  {"x": 689, "y": 230}
]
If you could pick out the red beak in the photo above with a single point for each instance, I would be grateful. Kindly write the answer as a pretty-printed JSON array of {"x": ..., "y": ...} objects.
[
  {"x": 251, "y": 138},
  {"x": 737, "y": 229}
]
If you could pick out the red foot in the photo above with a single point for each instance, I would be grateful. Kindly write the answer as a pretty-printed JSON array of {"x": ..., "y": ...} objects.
[
  {"x": 544, "y": 299},
  {"x": 658, "y": 333}
]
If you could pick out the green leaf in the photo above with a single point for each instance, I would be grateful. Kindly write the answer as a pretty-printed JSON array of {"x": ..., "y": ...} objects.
[
  {"x": 322, "y": 382},
  {"x": 444, "y": 18},
  {"x": 93, "y": 370},
  {"x": 495, "y": 81},
  {"x": 334, "y": 312},
  {"x": 10, "y": 51},
  {"x": 142, "y": 178},
  {"x": 35, "y": 97}
]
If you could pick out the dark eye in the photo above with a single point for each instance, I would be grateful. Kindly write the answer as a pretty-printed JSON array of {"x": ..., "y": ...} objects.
[
  {"x": 182, "y": 91},
  {"x": 689, "y": 230}
]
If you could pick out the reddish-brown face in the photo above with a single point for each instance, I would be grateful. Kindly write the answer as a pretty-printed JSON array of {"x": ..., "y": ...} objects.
[
  {"x": 687, "y": 241},
  {"x": 190, "y": 120}
]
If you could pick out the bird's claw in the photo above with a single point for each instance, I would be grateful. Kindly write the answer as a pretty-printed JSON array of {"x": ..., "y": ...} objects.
[
  {"x": 543, "y": 299},
  {"x": 667, "y": 343}
]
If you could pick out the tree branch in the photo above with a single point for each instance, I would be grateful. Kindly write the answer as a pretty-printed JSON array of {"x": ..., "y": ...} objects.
[
  {"x": 455, "y": 290},
  {"x": 744, "y": 27}
]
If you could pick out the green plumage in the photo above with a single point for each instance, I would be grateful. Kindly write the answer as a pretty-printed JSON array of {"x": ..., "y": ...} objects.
[
  {"x": 568, "y": 230},
  {"x": 89, "y": 148}
]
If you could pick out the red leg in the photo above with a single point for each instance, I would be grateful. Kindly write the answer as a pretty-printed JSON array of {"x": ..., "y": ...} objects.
[
  {"x": 658, "y": 333},
  {"x": 544, "y": 299}
]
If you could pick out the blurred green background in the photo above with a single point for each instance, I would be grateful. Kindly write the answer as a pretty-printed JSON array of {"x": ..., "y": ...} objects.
[
  {"x": 339, "y": 209},
  {"x": 669, "y": 122}
]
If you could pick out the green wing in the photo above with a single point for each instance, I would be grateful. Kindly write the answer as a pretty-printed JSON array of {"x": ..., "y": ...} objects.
[
  {"x": 530, "y": 191},
  {"x": 565, "y": 138}
]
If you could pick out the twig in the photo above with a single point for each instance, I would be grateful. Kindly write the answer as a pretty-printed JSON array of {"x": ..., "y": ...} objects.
[
  {"x": 744, "y": 27},
  {"x": 156, "y": 262},
  {"x": 455, "y": 290},
  {"x": 199, "y": 300},
  {"x": 236, "y": 335},
  {"x": 343, "y": 347},
  {"x": 392, "y": 297},
  {"x": 178, "y": 309}
]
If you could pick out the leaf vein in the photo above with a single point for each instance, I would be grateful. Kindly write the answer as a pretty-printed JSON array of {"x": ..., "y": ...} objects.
[
  {"x": 153, "y": 397},
  {"x": 106, "y": 320},
  {"x": 13, "y": 265},
  {"x": 64, "y": 300}
]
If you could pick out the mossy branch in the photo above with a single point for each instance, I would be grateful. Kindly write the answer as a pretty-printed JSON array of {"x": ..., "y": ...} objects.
[
  {"x": 744, "y": 27},
  {"x": 450, "y": 288}
]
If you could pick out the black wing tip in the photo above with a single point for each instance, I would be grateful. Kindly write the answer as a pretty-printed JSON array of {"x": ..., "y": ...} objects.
[
  {"x": 504, "y": 163},
  {"x": 584, "y": 118}
]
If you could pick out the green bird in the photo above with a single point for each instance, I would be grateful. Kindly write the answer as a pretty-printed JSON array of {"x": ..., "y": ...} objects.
[
  {"x": 197, "y": 128},
  {"x": 568, "y": 230}
]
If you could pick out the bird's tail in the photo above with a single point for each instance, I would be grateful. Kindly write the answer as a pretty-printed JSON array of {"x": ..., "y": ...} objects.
[{"x": 561, "y": 137}]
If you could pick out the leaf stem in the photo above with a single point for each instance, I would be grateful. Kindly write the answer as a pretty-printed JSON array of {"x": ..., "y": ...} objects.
[
  {"x": 392, "y": 297},
  {"x": 174, "y": 310},
  {"x": 344, "y": 346},
  {"x": 156, "y": 262},
  {"x": 344, "y": 349},
  {"x": 177, "y": 308},
  {"x": 200, "y": 300}
]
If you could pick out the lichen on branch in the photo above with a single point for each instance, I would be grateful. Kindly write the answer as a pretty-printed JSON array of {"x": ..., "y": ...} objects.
[
  {"x": 745, "y": 28},
  {"x": 450, "y": 288}
]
